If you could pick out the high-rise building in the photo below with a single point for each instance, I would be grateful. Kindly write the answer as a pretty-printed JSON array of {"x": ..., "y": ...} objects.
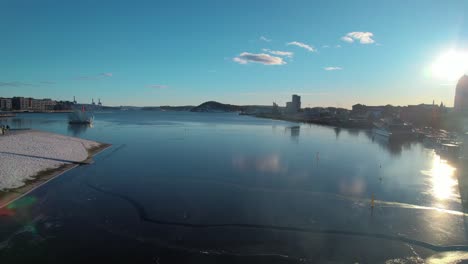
[
  {"x": 295, "y": 105},
  {"x": 296, "y": 102},
  {"x": 461, "y": 95}
]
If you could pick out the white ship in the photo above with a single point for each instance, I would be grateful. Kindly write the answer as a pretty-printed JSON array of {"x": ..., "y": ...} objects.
[{"x": 395, "y": 128}]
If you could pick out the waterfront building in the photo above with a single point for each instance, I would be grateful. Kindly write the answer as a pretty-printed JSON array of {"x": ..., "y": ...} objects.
[
  {"x": 21, "y": 103},
  {"x": 275, "y": 110},
  {"x": 461, "y": 95},
  {"x": 423, "y": 114},
  {"x": 5, "y": 104},
  {"x": 312, "y": 113},
  {"x": 296, "y": 102},
  {"x": 295, "y": 105},
  {"x": 31, "y": 104},
  {"x": 289, "y": 108},
  {"x": 342, "y": 114},
  {"x": 42, "y": 105}
]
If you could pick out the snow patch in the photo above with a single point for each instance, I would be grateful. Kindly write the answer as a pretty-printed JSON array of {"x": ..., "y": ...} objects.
[{"x": 24, "y": 154}]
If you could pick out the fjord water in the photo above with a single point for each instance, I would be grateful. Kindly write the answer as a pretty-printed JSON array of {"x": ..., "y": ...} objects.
[{"x": 218, "y": 184}]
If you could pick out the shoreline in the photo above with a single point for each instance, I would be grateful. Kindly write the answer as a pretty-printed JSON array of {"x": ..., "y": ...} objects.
[
  {"x": 42, "y": 177},
  {"x": 41, "y": 112},
  {"x": 322, "y": 122}
]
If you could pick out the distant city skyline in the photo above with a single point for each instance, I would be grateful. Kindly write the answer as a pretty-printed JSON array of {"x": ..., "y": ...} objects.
[{"x": 151, "y": 53}]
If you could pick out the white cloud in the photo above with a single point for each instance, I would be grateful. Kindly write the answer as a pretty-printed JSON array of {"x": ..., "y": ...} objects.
[
  {"x": 279, "y": 52},
  {"x": 347, "y": 39},
  {"x": 107, "y": 74},
  {"x": 338, "y": 46},
  {"x": 302, "y": 45},
  {"x": 332, "y": 68},
  {"x": 266, "y": 59},
  {"x": 158, "y": 86},
  {"x": 265, "y": 39},
  {"x": 362, "y": 37},
  {"x": 325, "y": 46}
]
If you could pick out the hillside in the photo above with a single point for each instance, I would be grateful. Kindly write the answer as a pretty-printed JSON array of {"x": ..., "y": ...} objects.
[{"x": 212, "y": 106}]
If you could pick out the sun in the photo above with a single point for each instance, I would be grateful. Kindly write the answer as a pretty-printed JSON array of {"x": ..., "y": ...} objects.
[{"x": 451, "y": 65}]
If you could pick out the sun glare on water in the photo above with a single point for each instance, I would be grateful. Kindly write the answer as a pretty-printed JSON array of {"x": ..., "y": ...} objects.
[
  {"x": 450, "y": 66},
  {"x": 442, "y": 179}
]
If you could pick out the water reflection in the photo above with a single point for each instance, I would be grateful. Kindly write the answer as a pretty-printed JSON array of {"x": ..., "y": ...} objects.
[
  {"x": 448, "y": 258},
  {"x": 337, "y": 131},
  {"x": 393, "y": 146},
  {"x": 273, "y": 129},
  {"x": 21, "y": 123},
  {"x": 354, "y": 132},
  {"x": 351, "y": 186},
  {"x": 295, "y": 131},
  {"x": 321, "y": 196},
  {"x": 266, "y": 164},
  {"x": 442, "y": 180},
  {"x": 77, "y": 130}
]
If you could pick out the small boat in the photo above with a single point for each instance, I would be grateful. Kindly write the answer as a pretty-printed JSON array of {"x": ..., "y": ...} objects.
[
  {"x": 6, "y": 115},
  {"x": 80, "y": 117}
]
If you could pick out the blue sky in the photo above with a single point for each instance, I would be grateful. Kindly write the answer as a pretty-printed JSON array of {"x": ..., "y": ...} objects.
[{"x": 187, "y": 52}]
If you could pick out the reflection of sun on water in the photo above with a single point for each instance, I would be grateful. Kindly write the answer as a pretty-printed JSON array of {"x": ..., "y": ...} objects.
[
  {"x": 448, "y": 258},
  {"x": 442, "y": 179}
]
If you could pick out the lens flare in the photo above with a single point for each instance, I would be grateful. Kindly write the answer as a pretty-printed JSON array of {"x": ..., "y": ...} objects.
[
  {"x": 6, "y": 212},
  {"x": 450, "y": 66},
  {"x": 23, "y": 202}
]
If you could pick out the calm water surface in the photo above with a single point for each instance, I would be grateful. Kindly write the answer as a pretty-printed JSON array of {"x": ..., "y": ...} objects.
[{"x": 208, "y": 188}]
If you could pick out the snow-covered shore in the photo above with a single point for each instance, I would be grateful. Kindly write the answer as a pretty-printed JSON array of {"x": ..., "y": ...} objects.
[{"x": 24, "y": 154}]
